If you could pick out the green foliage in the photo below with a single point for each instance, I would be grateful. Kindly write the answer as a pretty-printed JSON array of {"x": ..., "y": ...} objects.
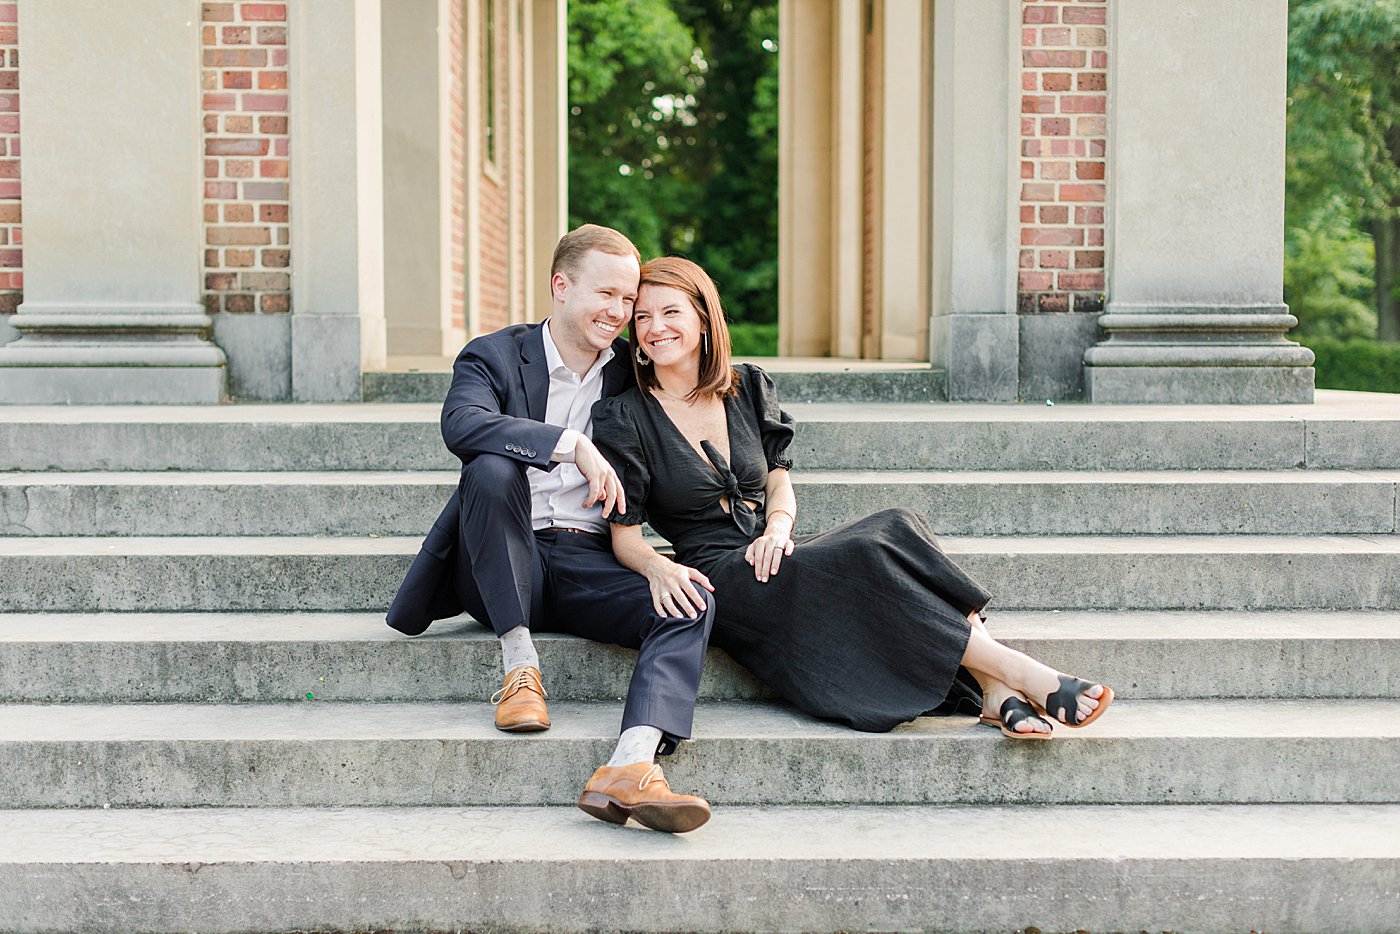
[
  {"x": 749, "y": 339},
  {"x": 1328, "y": 283},
  {"x": 1364, "y": 365},
  {"x": 673, "y": 134}
]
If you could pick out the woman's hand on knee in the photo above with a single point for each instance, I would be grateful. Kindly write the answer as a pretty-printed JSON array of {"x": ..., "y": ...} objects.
[
  {"x": 766, "y": 553},
  {"x": 674, "y": 591}
]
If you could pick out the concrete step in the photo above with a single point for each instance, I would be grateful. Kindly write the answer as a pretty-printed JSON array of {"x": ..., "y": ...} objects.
[
  {"x": 1316, "y": 502},
  {"x": 266, "y": 657},
  {"x": 1342, "y": 430},
  {"x": 1279, "y": 868},
  {"x": 1194, "y": 572},
  {"x": 826, "y": 382},
  {"x": 353, "y": 754}
]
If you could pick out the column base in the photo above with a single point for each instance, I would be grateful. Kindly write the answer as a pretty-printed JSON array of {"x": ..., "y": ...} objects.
[
  {"x": 980, "y": 354},
  {"x": 88, "y": 385},
  {"x": 1223, "y": 385}
]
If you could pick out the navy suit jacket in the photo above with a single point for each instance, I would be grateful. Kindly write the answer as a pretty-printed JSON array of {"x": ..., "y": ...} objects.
[{"x": 500, "y": 385}]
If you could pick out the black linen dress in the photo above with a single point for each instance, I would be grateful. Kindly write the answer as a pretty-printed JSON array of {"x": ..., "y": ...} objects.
[{"x": 864, "y": 623}]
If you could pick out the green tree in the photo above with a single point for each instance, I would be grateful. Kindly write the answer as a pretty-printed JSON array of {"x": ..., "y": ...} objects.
[
  {"x": 1344, "y": 138},
  {"x": 1327, "y": 281},
  {"x": 632, "y": 78}
]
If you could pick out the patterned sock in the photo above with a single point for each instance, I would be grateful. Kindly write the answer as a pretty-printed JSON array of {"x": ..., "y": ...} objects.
[
  {"x": 636, "y": 744},
  {"x": 517, "y": 648}
]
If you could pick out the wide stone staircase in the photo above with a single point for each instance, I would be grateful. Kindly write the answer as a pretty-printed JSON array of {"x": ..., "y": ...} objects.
[{"x": 206, "y": 726}]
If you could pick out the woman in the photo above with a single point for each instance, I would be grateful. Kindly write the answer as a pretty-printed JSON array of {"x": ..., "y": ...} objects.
[{"x": 868, "y": 623}]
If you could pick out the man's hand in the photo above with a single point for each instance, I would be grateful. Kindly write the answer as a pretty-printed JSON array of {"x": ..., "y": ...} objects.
[
  {"x": 673, "y": 590},
  {"x": 603, "y": 483},
  {"x": 766, "y": 552}
]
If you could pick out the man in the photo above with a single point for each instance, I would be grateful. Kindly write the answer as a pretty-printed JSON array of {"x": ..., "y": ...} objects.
[{"x": 523, "y": 545}]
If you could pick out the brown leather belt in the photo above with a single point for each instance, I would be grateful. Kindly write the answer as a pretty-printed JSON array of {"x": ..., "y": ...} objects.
[{"x": 565, "y": 528}]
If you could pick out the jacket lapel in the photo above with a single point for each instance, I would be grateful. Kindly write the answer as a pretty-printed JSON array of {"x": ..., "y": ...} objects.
[
  {"x": 534, "y": 372},
  {"x": 617, "y": 375}
]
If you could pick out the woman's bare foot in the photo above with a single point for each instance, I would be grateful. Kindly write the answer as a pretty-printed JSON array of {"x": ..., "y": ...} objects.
[
  {"x": 1069, "y": 700},
  {"x": 995, "y": 696}
]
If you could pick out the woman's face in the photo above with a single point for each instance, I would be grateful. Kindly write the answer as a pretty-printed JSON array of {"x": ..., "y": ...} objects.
[{"x": 666, "y": 325}]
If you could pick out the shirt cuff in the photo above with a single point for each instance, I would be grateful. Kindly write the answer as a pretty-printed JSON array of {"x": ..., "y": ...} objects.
[{"x": 564, "y": 450}]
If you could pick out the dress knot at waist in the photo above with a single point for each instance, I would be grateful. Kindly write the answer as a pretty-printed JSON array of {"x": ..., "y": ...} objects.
[{"x": 739, "y": 510}]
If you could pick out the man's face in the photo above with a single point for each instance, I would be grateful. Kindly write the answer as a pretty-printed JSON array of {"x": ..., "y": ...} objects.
[{"x": 592, "y": 307}]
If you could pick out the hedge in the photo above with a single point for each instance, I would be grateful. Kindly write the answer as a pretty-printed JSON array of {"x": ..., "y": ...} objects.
[{"x": 1368, "y": 366}]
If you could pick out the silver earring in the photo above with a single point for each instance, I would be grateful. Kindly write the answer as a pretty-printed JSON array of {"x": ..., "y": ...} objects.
[{"x": 642, "y": 359}]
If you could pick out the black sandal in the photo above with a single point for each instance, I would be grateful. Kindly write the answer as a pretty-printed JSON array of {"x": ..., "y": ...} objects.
[
  {"x": 1014, "y": 712},
  {"x": 1063, "y": 705}
]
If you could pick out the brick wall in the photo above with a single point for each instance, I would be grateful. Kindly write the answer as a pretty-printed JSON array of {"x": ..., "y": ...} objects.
[
  {"x": 11, "y": 235},
  {"x": 246, "y": 234},
  {"x": 1064, "y": 80}
]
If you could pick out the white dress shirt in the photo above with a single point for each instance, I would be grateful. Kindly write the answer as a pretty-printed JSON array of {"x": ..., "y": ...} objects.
[{"x": 556, "y": 496}]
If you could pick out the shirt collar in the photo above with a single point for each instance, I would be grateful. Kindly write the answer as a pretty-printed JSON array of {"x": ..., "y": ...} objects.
[{"x": 556, "y": 363}]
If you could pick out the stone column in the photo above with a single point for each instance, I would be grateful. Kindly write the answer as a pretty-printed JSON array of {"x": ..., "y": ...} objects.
[
  {"x": 974, "y": 330},
  {"x": 337, "y": 131},
  {"x": 111, "y": 209},
  {"x": 546, "y": 146},
  {"x": 1196, "y": 161}
]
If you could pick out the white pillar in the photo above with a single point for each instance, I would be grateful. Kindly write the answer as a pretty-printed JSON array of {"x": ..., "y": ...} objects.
[
  {"x": 546, "y": 146},
  {"x": 418, "y": 177},
  {"x": 1196, "y": 165},
  {"x": 337, "y": 136},
  {"x": 112, "y": 191},
  {"x": 974, "y": 333}
]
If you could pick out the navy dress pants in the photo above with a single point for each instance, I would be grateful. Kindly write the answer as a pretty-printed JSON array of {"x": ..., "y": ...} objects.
[{"x": 508, "y": 575}]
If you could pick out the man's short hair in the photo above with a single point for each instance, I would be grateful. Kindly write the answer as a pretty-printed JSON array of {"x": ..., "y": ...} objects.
[{"x": 579, "y": 242}]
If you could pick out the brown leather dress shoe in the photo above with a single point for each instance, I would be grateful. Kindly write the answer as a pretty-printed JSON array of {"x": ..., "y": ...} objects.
[
  {"x": 520, "y": 706},
  {"x": 615, "y": 793}
]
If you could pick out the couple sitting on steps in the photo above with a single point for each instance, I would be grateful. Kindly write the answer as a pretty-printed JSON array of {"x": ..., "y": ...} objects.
[{"x": 572, "y": 436}]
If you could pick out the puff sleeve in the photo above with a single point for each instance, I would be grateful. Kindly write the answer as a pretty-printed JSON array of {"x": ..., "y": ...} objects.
[
  {"x": 616, "y": 435},
  {"x": 775, "y": 426}
]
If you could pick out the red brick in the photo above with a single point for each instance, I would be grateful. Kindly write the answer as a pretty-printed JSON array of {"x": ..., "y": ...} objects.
[
  {"x": 1052, "y": 303},
  {"x": 264, "y": 102},
  {"x": 235, "y": 58},
  {"x": 211, "y": 257},
  {"x": 1052, "y": 236},
  {"x": 1088, "y": 170},
  {"x": 273, "y": 213},
  {"x": 265, "y": 191},
  {"x": 1083, "y": 103},
  {"x": 239, "y": 259},
  {"x": 208, "y": 80},
  {"x": 1092, "y": 16},
  {"x": 9, "y": 35},
  {"x": 1026, "y": 258},
  {"x": 1091, "y": 37},
  {"x": 219, "y": 101},
  {"x": 1028, "y": 214},
  {"x": 1054, "y": 170},
  {"x": 1097, "y": 148},
  {"x": 209, "y": 35},
  {"x": 272, "y": 35},
  {"x": 9, "y": 12},
  {"x": 279, "y": 58},
  {"x": 1037, "y": 105},
  {"x": 235, "y": 147},
  {"x": 273, "y": 168},
  {"x": 1031, "y": 147},
  {"x": 1042, "y": 58},
  {"x": 279, "y": 303},
  {"x": 216, "y": 12},
  {"x": 1094, "y": 237},
  {"x": 211, "y": 168},
  {"x": 9, "y": 189},
  {"x": 1037, "y": 191},
  {"x": 220, "y": 190},
  {"x": 1054, "y": 37},
  {"x": 1081, "y": 192},
  {"x": 272, "y": 80},
  {"x": 211, "y": 123},
  {"x": 11, "y": 259},
  {"x": 1028, "y": 170},
  {"x": 1027, "y": 126},
  {"x": 9, "y": 103},
  {"x": 1088, "y": 259},
  {"x": 264, "y": 12},
  {"x": 1091, "y": 126},
  {"x": 238, "y": 80},
  {"x": 237, "y": 35},
  {"x": 1028, "y": 38},
  {"x": 1040, "y": 14},
  {"x": 272, "y": 124},
  {"x": 1087, "y": 214},
  {"x": 1100, "y": 60},
  {"x": 1081, "y": 281},
  {"x": 1092, "y": 303},
  {"x": 239, "y": 304},
  {"x": 226, "y": 236},
  {"x": 220, "y": 281},
  {"x": 238, "y": 168},
  {"x": 274, "y": 259},
  {"x": 1054, "y": 259},
  {"x": 238, "y": 123},
  {"x": 1054, "y": 126},
  {"x": 1035, "y": 281},
  {"x": 1054, "y": 214},
  {"x": 1055, "y": 81},
  {"x": 1030, "y": 81},
  {"x": 1093, "y": 81},
  {"x": 9, "y": 80},
  {"x": 238, "y": 213}
]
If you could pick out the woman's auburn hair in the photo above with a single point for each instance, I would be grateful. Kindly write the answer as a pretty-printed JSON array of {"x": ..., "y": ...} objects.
[{"x": 717, "y": 377}]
